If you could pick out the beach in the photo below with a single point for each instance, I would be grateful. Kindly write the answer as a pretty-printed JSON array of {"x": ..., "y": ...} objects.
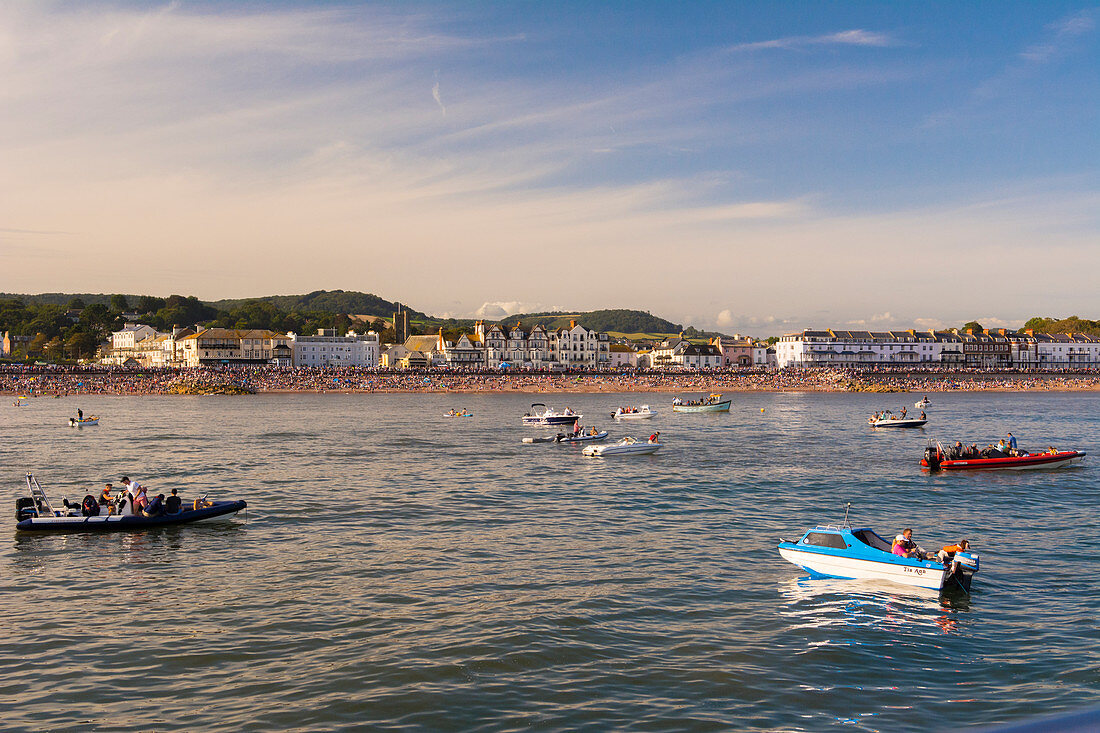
[{"x": 60, "y": 381}]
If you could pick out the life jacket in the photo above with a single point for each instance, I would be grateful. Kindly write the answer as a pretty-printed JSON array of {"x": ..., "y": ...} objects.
[{"x": 952, "y": 549}]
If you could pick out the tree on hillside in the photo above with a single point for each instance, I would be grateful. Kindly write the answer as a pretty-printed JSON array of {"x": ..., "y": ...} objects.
[
  {"x": 119, "y": 303},
  {"x": 149, "y": 304},
  {"x": 76, "y": 304},
  {"x": 974, "y": 325}
]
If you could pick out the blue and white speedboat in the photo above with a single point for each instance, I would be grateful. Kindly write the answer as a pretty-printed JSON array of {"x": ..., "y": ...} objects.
[{"x": 832, "y": 551}]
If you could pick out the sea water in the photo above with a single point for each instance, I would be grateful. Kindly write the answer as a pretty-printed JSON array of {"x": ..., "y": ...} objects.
[{"x": 399, "y": 569}]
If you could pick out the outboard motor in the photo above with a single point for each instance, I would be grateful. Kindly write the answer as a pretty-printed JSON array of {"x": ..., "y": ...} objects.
[
  {"x": 25, "y": 508},
  {"x": 932, "y": 457},
  {"x": 963, "y": 566}
]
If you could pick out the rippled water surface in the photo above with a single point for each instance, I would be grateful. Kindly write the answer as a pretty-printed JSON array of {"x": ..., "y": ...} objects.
[{"x": 400, "y": 570}]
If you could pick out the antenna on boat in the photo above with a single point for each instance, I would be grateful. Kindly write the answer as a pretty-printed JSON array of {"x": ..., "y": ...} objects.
[{"x": 846, "y": 508}]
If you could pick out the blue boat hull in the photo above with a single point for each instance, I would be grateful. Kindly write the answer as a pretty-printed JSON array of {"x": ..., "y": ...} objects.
[{"x": 117, "y": 523}]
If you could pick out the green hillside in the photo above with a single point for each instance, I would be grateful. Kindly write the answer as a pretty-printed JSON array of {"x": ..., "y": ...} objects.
[
  {"x": 324, "y": 301},
  {"x": 619, "y": 319}
]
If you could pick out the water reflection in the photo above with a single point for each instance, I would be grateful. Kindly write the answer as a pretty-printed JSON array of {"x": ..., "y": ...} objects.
[{"x": 820, "y": 603}]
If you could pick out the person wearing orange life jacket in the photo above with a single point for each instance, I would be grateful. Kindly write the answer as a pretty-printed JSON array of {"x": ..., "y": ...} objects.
[{"x": 949, "y": 551}]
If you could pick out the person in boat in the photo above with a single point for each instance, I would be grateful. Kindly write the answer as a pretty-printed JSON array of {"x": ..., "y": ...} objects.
[
  {"x": 80, "y": 414},
  {"x": 1013, "y": 447},
  {"x": 105, "y": 499},
  {"x": 155, "y": 507},
  {"x": 655, "y": 437},
  {"x": 911, "y": 546},
  {"x": 172, "y": 503},
  {"x": 1052, "y": 450},
  {"x": 923, "y": 416},
  {"x": 201, "y": 503},
  {"x": 898, "y": 548},
  {"x": 957, "y": 451},
  {"x": 592, "y": 431},
  {"x": 1002, "y": 447},
  {"x": 949, "y": 551},
  {"x": 89, "y": 507},
  {"x": 903, "y": 412},
  {"x": 141, "y": 502}
]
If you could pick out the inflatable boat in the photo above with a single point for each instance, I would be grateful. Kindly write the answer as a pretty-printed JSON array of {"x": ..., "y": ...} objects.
[
  {"x": 936, "y": 459},
  {"x": 562, "y": 438},
  {"x": 79, "y": 422},
  {"x": 36, "y": 513}
]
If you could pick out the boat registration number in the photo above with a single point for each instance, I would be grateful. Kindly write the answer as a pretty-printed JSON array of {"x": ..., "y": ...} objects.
[{"x": 917, "y": 571}]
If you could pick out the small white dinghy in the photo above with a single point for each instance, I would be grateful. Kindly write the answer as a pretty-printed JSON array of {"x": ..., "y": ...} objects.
[
  {"x": 625, "y": 447},
  {"x": 633, "y": 413},
  {"x": 922, "y": 404},
  {"x": 75, "y": 422}
]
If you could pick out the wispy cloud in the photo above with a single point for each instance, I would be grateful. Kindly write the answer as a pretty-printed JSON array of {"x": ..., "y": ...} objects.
[
  {"x": 436, "y": 97},
  {"x": 1060, "y": 36},
  {"x": 852, "y": 37}
]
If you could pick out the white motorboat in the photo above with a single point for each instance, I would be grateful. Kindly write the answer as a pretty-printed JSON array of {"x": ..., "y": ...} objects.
[
  {"x": 832, "y": 551},
  {"x": 922, "y": 404},
  {"x": 625, "y": 447},
  {"x": 547, "y": 416},
  {"x": 899, "y": 422},
  {"x": 633, "y": 413}
]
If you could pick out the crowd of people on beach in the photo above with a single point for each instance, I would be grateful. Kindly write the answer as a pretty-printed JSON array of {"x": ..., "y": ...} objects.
[{"x": 31, "y": 381}]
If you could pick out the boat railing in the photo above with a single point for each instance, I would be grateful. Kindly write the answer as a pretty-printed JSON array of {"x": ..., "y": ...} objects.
[{"x": 41, "y": 501}]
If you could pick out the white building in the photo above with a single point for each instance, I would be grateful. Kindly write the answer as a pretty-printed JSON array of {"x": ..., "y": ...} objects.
[
  {"x": 235, "y": 347},
  {"x": 326, "y": 349},
  {"x": 513, "y": 345},
  {"x": 621, "y": 355},
  {"x": 857, "y": 348},
  {"x": 576, "y": 346},
  {"x": 130, "y": 335}
]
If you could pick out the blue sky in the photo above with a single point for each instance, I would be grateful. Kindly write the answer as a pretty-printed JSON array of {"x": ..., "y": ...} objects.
[{"x": 757, "y": 167}]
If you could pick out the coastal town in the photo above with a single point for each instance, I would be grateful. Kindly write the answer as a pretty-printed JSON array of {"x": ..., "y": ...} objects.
[{"x": 139, "y": 359}]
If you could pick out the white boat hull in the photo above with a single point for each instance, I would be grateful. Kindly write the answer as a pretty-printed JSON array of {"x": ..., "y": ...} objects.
[
  {"x": 909, "y": 422},
  {"x": 637, "y": 449},
  {"x": 634, "y": 415},
  {"x": 843, "y": 567}
]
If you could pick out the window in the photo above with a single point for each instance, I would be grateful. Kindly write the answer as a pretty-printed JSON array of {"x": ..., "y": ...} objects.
[{"x": 824, "y": 539}]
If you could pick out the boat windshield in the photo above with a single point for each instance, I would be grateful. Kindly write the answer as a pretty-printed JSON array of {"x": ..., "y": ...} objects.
[
  {"x": 868, "y": 537},
  {"x": 824, "y": 539}
]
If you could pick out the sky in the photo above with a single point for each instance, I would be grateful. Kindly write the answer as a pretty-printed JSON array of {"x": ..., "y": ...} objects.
[{"x": 743, "y": 166}]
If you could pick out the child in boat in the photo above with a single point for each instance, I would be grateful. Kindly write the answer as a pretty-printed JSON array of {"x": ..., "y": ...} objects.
[{"x": 949, "y": 551}]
